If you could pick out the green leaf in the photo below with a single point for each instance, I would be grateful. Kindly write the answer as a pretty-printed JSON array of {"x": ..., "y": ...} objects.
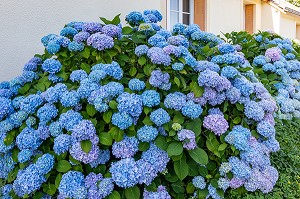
[
  {"x": 40, "y": 87},
  {"x": 116, "y": 133},
  {"x": 114, "y": 195},
  {"x": 107, "y": 116},
  {"x": 175, "y": 148},
  {"x": 62, "y": 75},
  {"x": 106, "y": 139},
  {"x": 225, "y": 106},
  {"x": 24, "y": 89},
  {"x": 86, "y": 52},
  {"x": 181, "y": 168},
  {"x": 127, "y": 30},
  {"x": 12, "y": 175},
  {"x": 222, "y": 147},
  {"x": 245, "y": 69},
  {"x": 142, "y": 60},
  {"x": 237, "y": 120},
  {"x": 113, "y": 104},
  {"x": 199, "y": 155},
  {"x": 190, "y": 188},
  {"x": 240, "y": 107},
  {"x": 161, "y": 142},
  {"x": 178, "y": 118},
  {"x": 9, "y": 138},
  {"x": 132, "y": 71},
  {"x": 49, "y": 189},
  {"x": 15, "y": 153},
  {"x": 85, "y": 67},
  {"x": 195, "y": 126},
  {"x": 147, "y": 121},
  {"x": 197, "y": 90},
  {"x": 63, "y": 166},
  {"x": 58, "y": 179},
  {"x": 213, "y": 144},
  {"x": 177, "y": 81},
  {"x": 147, "y": 110},
  {"x": 90, "y": 109},
  {"x": 86, "y": 145},
  {"x": 132, "y": 193},
  {"x": 272, "y": 77},
  {"x": 143, "y": 146},
  {"x": 116, "y": 20}
]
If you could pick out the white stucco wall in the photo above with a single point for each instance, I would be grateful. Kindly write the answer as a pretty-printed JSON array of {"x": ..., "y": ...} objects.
[
  {"x": 270, "y": 18},
  {"x": 24, "y": 22},
  {"x": 287, "y": 26},
  {"x": 224, "y": 16}
]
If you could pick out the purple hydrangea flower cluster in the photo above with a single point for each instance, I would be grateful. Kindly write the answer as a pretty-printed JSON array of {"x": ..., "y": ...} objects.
[
  {"x": 188, "y": 137},
  {"x": 216, "y": 123},
  {"x": 160, "y": 80}
]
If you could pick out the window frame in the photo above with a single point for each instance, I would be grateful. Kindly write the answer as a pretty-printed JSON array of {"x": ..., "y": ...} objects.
[{"x": 180, "y": 8}]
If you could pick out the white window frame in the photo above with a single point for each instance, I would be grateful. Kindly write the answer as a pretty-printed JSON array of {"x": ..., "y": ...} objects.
[{"x": 191, "y": 13}]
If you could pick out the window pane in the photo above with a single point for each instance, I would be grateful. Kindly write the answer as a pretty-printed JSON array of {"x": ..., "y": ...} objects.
[
  {"x": 174, "y": 5},
  {"x": 186, "y": 5},
  {"x": 186, "y": 19},
  {"x": 174, "y": 19}
]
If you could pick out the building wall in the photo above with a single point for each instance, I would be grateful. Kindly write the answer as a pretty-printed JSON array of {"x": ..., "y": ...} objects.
[
  {"x": 224, "y": 16},
  {"x": 23, "y": 23},
  {"x": 270, "y": 18},
  {"x": 287, "y": 26}
]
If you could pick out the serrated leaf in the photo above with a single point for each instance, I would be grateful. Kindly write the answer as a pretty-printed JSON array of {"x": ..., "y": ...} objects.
[
  {"x": 106, "y": 139},
  {"x": 132, "y": 71},
  {"x": 177, "y": 81},
  {"x": 197, "y": 90},
  {"x": 107, "y": 116},
  {"x": 86, "y": 145},
  {"x": 142, "y": 60},
  {"x": 90, "y": 109},
  {"x": 178, "y": 118},
  {"x": 116, "y": 20},
  {"x": 143, "y": 146},
  {"x": 195, "y": 126},
  {"x": 127, "y": 30},
  {"x": 199, "y": 156},
  {"x": 12, "y": 175},
  {"x": 63, "y": 166},
  {"x": 114, "y": 195},
  {"x": 222, "y": 147},
  {"x": 175, "y": 148},
  {"x": 181, "y": 168},
  {"x": 237, "y": 120},
  {"x": 24, "y": 88},
  {"x": 85, "y": 67},
  {"x": 190, "y": 188},
  {"x": 147, "y": 121},
  {"x": 8, "y": 140},
  {"x": 58, "y": 179},
  {"x": 113, "y": 104},
  {"x": 49, "y": 189},
  {"x": 132, "y": 193},
  {"x": 86, "y": 52},
  {"x": 161, "y": 142}
]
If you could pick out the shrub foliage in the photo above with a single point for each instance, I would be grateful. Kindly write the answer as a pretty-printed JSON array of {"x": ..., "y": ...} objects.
[{"x": 138, "y": 111}]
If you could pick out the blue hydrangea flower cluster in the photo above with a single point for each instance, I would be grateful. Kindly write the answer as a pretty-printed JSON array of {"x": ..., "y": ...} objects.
[{"x": 153, "y": 93}]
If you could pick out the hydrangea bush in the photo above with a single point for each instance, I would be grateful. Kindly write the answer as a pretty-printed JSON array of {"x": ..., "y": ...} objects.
[
  {"x": 136, "y": 112},
  {"x": 275, "y": 62}
]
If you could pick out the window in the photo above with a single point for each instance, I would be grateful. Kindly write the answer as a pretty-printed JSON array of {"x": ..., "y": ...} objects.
[{"x": 180, "y": 11}]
